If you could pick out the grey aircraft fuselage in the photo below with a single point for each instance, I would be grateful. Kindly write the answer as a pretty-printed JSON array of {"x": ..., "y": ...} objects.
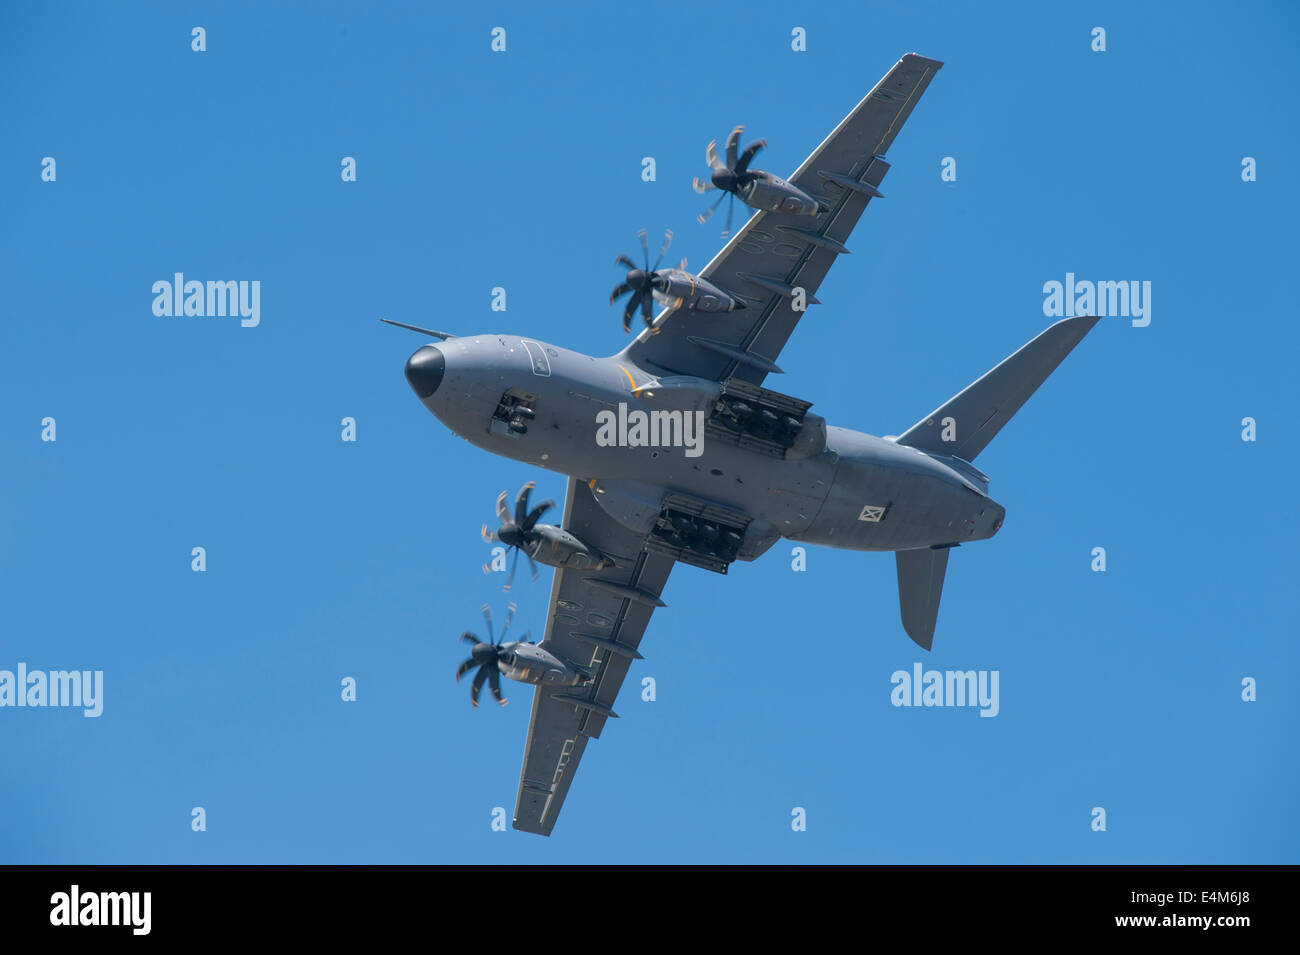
[{"x": 835, "y": 492}]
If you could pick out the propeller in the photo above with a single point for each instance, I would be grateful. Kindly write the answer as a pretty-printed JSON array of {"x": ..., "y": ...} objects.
[
  {"x": 730, "y": 177},
  {"x": 641, "y": 282},
  {"x": 487, "y": 657},
  {"x": 516, "y": 531}
]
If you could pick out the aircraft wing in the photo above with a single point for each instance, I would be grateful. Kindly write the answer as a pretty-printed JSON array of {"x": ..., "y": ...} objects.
[
  {"x": 596, "y": 625},
  {"x": 775, "y": 251}
]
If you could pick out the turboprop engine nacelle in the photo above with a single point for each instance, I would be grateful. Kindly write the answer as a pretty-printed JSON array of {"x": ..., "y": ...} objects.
[
  {"x": 681, "y": 289},
  {"x": 556, "y": 547},
  {"x": 774, "y": 194},
  {"x": 530, "y": 663}
]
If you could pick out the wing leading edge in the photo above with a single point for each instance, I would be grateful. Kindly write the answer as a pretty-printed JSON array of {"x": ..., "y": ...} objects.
[
  {"x": 775, "y": 253},
  {"x": 596, "y": 625}
]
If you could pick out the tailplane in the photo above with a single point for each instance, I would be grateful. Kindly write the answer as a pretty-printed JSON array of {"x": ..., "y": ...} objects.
[
  {"x": 972, "y": 419},
  {"x": 969, "y": 422},
  {"x": 920, "y": 584}
]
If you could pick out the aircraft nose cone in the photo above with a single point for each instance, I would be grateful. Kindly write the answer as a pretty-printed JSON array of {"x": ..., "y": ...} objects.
[{"x": 424, "y": 371}]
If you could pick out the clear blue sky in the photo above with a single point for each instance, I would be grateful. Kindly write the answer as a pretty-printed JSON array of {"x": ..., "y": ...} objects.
[{"x": 325, "y": 559}]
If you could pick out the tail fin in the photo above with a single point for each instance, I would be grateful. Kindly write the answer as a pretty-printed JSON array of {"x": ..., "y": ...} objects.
[
  {"x": 920, "y": 584},
  {"x": 983, "y": 407}
]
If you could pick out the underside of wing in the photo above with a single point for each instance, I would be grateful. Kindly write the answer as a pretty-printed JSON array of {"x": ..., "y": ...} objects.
[
  {"x": 777, "y": 261},
  {"x": 596, "y": 620}
]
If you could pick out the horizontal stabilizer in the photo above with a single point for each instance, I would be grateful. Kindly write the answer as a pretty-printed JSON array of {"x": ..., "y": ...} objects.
[
  {"x": 920, "y": 584},
  {"x": 974, "y": 417}
]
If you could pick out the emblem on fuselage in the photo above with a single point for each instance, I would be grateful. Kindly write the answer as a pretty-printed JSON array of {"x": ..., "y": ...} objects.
[{"x": 873, "y": 514}]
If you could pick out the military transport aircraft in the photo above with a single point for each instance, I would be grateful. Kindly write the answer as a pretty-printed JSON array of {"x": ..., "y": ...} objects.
[{"x": 676, "y": 452}]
